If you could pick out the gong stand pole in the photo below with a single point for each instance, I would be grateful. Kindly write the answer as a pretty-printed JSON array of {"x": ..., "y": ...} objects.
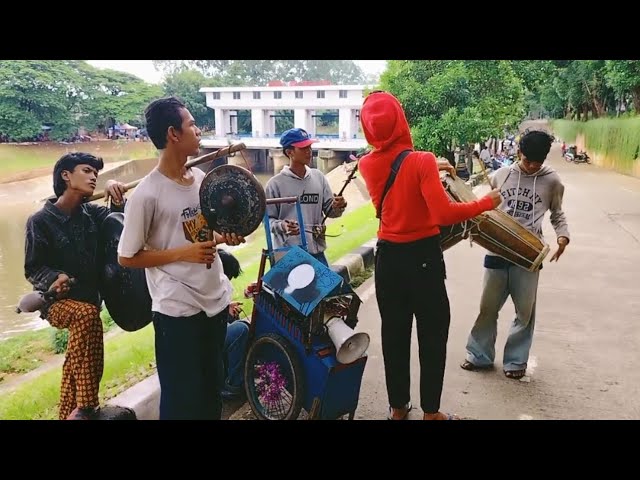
[{"x": 234, "y": 147}]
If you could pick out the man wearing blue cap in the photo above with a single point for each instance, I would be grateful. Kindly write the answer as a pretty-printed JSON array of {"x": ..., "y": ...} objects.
[{"x": 309, "y": 184}]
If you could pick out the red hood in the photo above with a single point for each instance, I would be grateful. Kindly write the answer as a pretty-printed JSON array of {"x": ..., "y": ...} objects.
[{"x": 384, "y": 124}]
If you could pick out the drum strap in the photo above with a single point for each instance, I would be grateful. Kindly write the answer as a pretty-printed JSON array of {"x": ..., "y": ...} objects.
[{"x": 395, "y": 168}]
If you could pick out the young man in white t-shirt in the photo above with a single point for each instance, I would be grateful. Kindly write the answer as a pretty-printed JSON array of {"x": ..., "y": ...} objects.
[{"x": 162, "y": 231}]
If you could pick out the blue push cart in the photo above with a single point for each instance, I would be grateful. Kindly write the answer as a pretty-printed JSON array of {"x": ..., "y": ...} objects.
[{"x": 303, "y": 352}]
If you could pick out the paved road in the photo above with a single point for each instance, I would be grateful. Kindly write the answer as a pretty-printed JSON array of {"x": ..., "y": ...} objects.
[{"x": 585, "y": 360}]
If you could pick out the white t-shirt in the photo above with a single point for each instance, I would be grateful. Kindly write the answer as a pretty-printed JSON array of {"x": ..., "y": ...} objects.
[{"x": 159, "y": 215}]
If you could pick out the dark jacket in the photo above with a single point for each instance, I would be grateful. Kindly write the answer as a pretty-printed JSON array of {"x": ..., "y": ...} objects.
[{"x": 58, "y": 243}]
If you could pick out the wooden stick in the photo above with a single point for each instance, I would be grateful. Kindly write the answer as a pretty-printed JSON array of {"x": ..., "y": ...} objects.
[
  {"x": 484, "y": 170},
  {"x": 234, "y": 147},
  {"x": 346, "y": 182}
]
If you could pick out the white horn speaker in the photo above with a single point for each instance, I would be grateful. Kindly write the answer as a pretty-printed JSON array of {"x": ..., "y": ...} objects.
[{"x": 349, "y": 346}]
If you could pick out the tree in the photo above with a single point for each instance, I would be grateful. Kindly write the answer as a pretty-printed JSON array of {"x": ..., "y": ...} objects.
[
  {"x": 623, "y": 76},
  {"x": 67, "y": 94},
  {"x": 456, "y": 102},
  {"x": 116, "y": 97},
  {"x": 260, "y": 72},
  {"x": 37, "y": 92},
  {"x": 186, "y": 86}
]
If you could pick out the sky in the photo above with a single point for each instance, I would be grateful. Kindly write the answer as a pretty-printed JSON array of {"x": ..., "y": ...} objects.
[{"x": 144, "y": 68}]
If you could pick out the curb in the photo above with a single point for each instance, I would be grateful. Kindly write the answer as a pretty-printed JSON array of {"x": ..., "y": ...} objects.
[{"x": 144, "y": 397}]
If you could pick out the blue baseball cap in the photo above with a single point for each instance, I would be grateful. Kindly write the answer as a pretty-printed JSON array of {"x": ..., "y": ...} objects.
[{"x": 296, "y": 137}]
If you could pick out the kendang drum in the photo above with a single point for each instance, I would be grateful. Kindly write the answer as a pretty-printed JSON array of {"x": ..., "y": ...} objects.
[
  {"x": 457, "y": 191},
  {"x": 496, "y": 231}
]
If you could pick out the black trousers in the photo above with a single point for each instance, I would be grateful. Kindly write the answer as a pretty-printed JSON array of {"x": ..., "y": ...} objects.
[
  {"x": 410, "y": 281},
  {"x": 189, "y": 358}
]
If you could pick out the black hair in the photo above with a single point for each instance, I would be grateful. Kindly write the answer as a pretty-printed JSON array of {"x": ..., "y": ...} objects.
[
  {"x": 475, "y": 154},
  {"x": 69, "y": 162},
  {"x": 535, "y": 145},
  {"x": 230, "y": 264},
  {"x": 159, "y": 116}
]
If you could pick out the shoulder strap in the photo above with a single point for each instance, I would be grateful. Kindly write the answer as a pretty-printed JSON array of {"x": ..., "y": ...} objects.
[{"x": 395, "y": 168}]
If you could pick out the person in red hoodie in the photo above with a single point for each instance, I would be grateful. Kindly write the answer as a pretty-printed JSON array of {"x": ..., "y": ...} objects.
[{"x": 408, "y": 248}]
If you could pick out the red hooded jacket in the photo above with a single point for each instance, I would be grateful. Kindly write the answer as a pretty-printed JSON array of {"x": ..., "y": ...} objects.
[{"x": 417, "y": 203}]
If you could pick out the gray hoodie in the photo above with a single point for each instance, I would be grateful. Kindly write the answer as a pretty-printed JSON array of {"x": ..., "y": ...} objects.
[
  {"x": 315, "y": 199},
  {"x": 527, "y": 198}
]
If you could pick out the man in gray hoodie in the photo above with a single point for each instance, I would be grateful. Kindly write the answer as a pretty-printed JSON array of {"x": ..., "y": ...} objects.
[
  {"x": 312, "y": 187},
  {"x": 528, "y": 188}
]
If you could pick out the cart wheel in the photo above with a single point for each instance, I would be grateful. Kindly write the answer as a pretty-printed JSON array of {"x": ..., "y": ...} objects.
[{"x": 273, "y": 379}]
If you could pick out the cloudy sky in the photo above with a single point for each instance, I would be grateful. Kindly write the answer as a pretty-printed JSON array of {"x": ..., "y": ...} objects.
[{"x": 144, "y": 68}]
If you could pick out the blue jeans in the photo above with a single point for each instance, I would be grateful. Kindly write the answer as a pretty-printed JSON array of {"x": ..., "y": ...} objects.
[
  {"x": 235, "y": 348},
  {"x": 189, "y": 363},
  {"x": 499, "y": 283}
]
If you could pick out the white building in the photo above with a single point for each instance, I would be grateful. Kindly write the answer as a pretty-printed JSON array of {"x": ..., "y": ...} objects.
[{"x": 303, "y": 100}]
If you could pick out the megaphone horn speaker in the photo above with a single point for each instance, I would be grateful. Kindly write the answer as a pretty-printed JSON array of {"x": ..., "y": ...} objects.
[{"x": 350, "y": 346}]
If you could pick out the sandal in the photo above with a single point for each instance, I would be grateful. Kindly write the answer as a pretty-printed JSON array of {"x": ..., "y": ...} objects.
[
  {"x": 515, "y": 374},
  {"x": 408, "y": 407},
  {"x": 472, "y": 367},
  {"x": 450, "y": 416}
]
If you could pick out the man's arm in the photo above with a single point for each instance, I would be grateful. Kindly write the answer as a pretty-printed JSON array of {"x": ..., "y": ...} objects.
[
  {"x": 276, "y": 225},
  {"x": 559, "y": 221},
  {"x": 139, "y": 213},
  {"x": 36, "y": 248},
  {"x": 199, "y": 252},
  {"x": 443, "y": 210},
  {"x": 557, "y": 216},
  {"x": 115, "y": 190}
]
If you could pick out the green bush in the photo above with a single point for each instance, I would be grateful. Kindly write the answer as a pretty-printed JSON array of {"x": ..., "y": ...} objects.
[
  {"x": 60, "y": 338},
  {"x": 617, "y": 139}
]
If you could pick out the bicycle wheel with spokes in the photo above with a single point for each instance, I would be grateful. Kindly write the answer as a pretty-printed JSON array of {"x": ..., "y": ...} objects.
[{"x": 274, "y": 379}]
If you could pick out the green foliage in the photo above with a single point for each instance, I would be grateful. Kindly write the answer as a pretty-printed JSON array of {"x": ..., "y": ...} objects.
[
  {"x": 617, "y": 140},
  {"x": 450, "y": 103},
  {"x": 59, "y": 340},
  {"x": 66, "y": 95},
  {"x": 259, "y": 72},
  {"x": 624, "y": 77},
  {"x": 186, "y": 86},
  {"x": 566, "y": 130},
  {"x": 22, "y": 353}
]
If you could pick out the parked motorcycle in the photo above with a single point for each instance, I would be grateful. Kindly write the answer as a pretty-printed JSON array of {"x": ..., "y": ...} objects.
[{"x": 581, "y": 157}]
